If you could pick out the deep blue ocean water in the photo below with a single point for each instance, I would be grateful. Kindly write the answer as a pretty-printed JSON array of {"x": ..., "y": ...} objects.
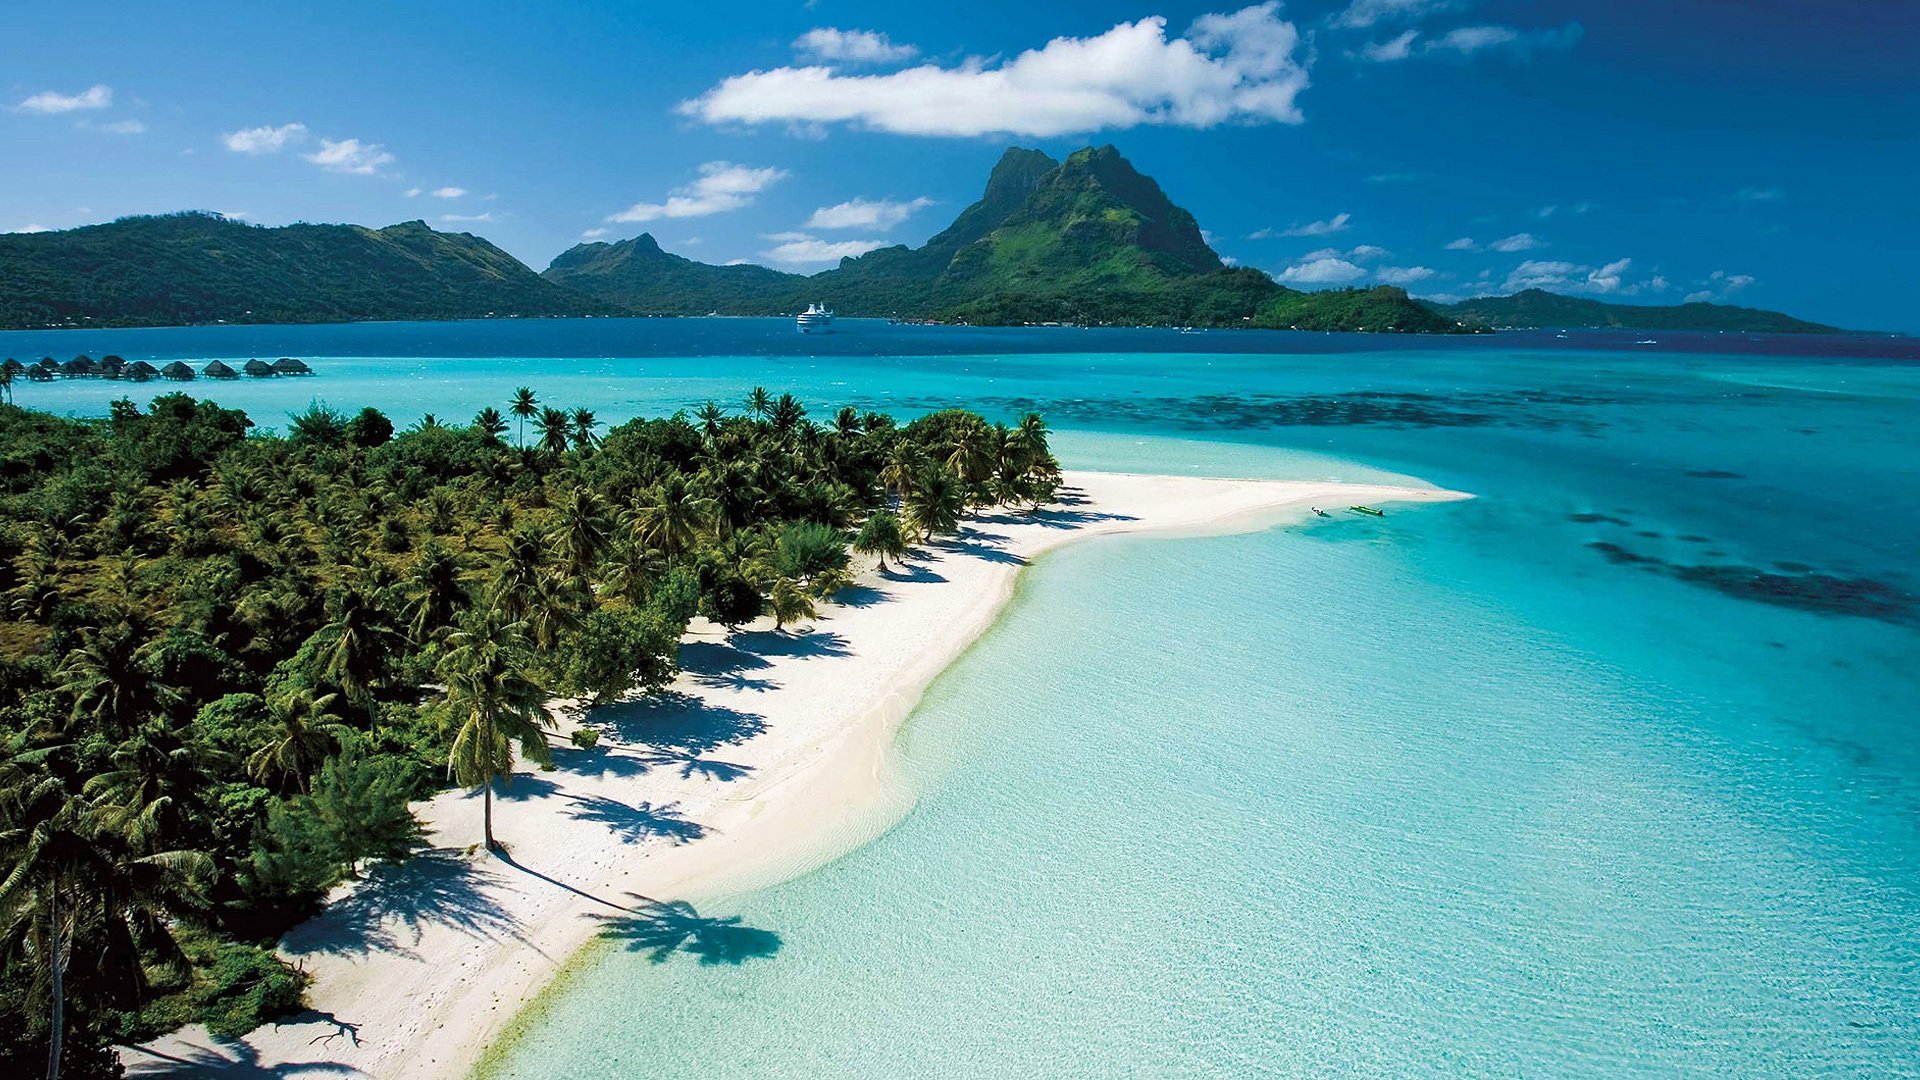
[{"x": 1611, "y": 770}]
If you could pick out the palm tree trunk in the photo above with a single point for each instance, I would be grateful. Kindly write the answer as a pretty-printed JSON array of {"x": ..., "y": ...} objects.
[
  {"x": 487, "y": 814},
  {"x": 56, "y": 1026}
]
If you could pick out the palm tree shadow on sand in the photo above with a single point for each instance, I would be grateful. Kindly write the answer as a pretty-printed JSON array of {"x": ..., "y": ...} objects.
[
  {"x": 662, "y": 928},
  {"x": 231, "y": 1058}
]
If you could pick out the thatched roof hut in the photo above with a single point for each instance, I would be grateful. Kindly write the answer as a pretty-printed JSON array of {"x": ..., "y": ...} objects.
[
  {"x": 48, "y": 364},
  {"x": 259, "y": 369},
  {"x": 78, "y": 366},
  {"x": 287, "y": 365},
  {"x": 177, "y": 370},
  {"x": 219, "y": 370},
  {"x": 111, "y": 367},
  {"x": 140, "y": 371},
  {"x": 39, "y": 374}
]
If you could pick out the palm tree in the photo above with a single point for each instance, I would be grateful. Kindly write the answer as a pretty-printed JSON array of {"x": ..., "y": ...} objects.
[
  {"x": 759, "y": 403},
  {"x": 789, "y": 603},
  {"x": 583, "y": 433},
  {"x": 880, "y": 536},
  {"x": 669, "y": 516},
  {"x": 305, "y": 732},
  {"x": 1029, "y": 438},
  {"x": 151, "y": 794},
  {"x": 73, "y": 889},
  {"x": 492, "y": 705},
  {"x": 357, "y": 644},
  {"x": 525, "y": 406},
  {"x": 111, "y": 681},
  {"x": 787, "y": 414},
  {"x": 904, "y": 465},
  {"x": 6, "y": 380},
  {"x": 517, "y": 573},
  {"x": 435, "y": 591},
  {"x": 935, "y": 506},
  {"x": 711, "y": 418},
  {"x": 490, "y": 423},
  {"x": 968, "y": 453},
  {"x": 582, "y": 527},
  {"x": 556, "y": 430}
]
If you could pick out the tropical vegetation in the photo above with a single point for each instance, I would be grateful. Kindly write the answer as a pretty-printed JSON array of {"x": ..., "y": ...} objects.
[{"x": 230, "y": 659}]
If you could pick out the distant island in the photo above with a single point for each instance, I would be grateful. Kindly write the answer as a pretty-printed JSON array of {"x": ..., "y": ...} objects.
[{"x": 1085, "y": 241}]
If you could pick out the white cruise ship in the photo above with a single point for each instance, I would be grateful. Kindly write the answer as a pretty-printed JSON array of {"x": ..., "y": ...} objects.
[{"x": 817, "y": 318}]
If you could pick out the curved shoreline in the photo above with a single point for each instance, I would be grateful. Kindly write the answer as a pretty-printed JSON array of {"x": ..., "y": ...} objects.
[{"x": 774, "y": 758}]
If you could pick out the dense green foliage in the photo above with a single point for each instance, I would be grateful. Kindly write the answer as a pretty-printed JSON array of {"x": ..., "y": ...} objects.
[
  {"x": 1089, "y": 240},
  {"x": 1381, "y": 309},
  {"x": 1536, "y": 308},
  {"x": 229, "y": 660},
  {"x": 199, "y": 268}
]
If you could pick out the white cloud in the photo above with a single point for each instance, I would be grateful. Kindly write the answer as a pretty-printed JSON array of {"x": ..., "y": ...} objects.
[
  {"x": 350, "y": 156},
  {"x": 796, "y": 247},
  {"x": 411, "y": 193},
  {"x": 722, "y": 186},
  {"x": 488, "y": 216},
  {"x": 866, "y": 213},
  {"x": 263, "y": 140},
  {"x": 1545, "y": 212},
  {"x": 851, "y": 46},
  {"x": 51, "y": 101},
  {"x": 114, "y": 127},
  {"x": 1399, "y": 48},
  {"x": 448, "y": 192},
  {"x": 1718, "y": 286},
  {"x": 30, "y": 229},
  {"x": 1469, "y": 40},
  {"x": 1465, "y": 243},
  {"x": 1539, "y": 274},
  {"x": 1608, "y": 278},
  {"x": 1658, "y": 284},
  {"x": 1334, "y": 224},
  {"x": 1760, "y": 194},
  {"x": 1368, "y": 251},
  {"x": 1364, "y": 13},
  {"x": 1516, "y": 242},
  {"x": 1237, "y": 67},
  {"x": 1322, "y": 271},
  {"x": 1403, "y": 275},
  {"x": 593, "y": 234}
]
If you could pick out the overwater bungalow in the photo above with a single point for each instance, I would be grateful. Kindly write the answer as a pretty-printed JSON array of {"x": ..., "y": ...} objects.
[
  {"x": 40, "y": 374},
  {"x": 79, "y": 367},
  {"x": 179, "y": 369},
  {"x": 219, "y": 370},
  {"x": 110, "y": 367},
  {"x": 260, "y": 369},
  {"x": 49, "y": 365},
  {"x": 287, "y": 365},
  {"x": 140, "y": 371}
]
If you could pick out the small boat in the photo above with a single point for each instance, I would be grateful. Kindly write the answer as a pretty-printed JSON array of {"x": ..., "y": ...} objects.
[
  {"x": 1321, "y": 512},
  {"x": 818, "y": 318},
  {"x": 1367, "y": 510}
]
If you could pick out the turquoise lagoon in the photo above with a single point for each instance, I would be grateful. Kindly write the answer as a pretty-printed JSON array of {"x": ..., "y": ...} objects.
[{"x": 1610, "y": 771}]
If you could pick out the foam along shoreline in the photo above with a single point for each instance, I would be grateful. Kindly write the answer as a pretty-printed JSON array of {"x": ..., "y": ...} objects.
[{"x": 768, "y": 756}]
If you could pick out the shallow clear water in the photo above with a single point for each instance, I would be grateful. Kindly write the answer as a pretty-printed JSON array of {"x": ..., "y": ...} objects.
[{"x": 1611, "y": 770}]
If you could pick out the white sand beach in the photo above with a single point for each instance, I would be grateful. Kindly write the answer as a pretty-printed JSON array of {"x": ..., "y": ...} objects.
[{"x": 767, "y": 757}]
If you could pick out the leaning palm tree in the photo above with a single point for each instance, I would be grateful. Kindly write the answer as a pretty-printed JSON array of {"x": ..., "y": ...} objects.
[
  {"x": 1029, "y": 438},
  {"x": 880, "y": 536},
  {"x": 789, "y": 603},
  {"x": 72, "y": 889},
  {"x": 525, "y": 407},
  {"x": 492, "y": 705},
  {"x": 304, "y": 733}
]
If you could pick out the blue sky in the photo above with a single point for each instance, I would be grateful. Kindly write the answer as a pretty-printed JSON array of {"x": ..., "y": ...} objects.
[{"x": 1758, "y": 153}]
